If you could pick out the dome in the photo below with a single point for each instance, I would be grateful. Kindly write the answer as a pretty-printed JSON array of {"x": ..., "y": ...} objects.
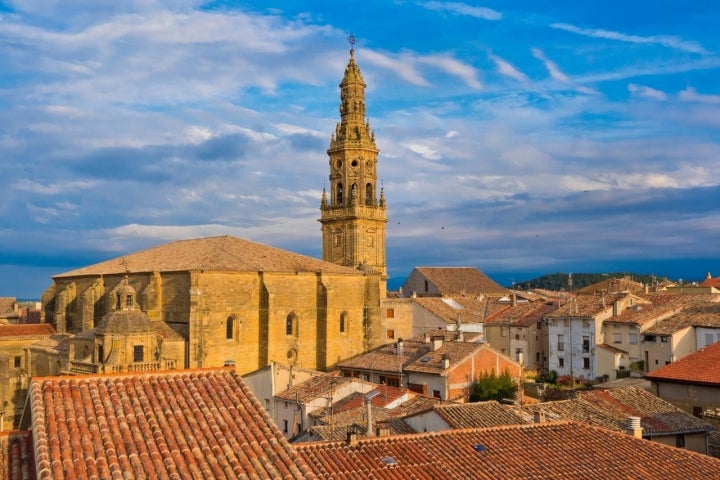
[{"x": 124, "y": 321}]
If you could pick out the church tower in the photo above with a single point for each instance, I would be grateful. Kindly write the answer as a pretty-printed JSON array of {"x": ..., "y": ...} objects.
[{"x": 352, "y": 215}]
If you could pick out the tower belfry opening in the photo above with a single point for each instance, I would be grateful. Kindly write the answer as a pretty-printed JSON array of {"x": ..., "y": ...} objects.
[{"x": 353, "y": 216}]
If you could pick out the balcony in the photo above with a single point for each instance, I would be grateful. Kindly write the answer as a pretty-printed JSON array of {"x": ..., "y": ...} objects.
[{"x": 91, "y": 368}]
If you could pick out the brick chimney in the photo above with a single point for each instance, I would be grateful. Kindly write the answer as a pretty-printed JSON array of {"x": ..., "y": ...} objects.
[{"x": 634, "y": 427}]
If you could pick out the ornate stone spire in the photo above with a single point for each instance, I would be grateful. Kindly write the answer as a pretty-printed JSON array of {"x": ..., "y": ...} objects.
[{"x": 353, "y": 220}]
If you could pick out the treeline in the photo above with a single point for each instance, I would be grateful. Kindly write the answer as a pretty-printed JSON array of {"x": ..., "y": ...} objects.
[{"x": 558, "y": 281}]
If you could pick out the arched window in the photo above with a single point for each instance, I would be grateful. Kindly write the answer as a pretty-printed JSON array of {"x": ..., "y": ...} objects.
[
  {"x": 339, "y": 193},
  {"x": 230, "y": 328},
  {"x": 369, "y": 194},
  {"x": 343, "y": 322},
  {"x": 291, "y": 324}
]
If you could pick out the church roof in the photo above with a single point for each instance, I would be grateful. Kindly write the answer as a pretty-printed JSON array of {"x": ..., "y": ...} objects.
[{"x": 225, "y": 253}]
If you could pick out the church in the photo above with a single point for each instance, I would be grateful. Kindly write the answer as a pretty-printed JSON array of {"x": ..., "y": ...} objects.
[{"x": 236, "y": 302}]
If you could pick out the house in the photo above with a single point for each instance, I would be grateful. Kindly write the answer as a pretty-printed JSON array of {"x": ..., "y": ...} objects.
[
  {"x": 16, "y": 367},
  {"x": 451, "y": 282},
  {"x": 440, "y": 364},
  {"x": 574, "y": 329},
  {"x": 519, "y": 330},
  {"x": 9, "y": 310},
  {"x": 445, "y": 416},
  {"x": 293, "y": 407},
  {"x": 659, "y": 420},
  {"x": 274, "y": 379},
  {"x": 378, "y": 412},
  {"x": 691, "y": 383},
  {"x": 181, "y": 424},
  {"x": 694, "y": 327},
  {"x": 558, "y": 450}
]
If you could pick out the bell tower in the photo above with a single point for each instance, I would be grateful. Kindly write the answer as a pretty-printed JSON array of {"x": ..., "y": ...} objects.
[{"x": 353, "y": 213}]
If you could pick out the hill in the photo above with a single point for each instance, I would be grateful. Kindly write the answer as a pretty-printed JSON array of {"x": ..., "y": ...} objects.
[{"x": 559, "y": 281}]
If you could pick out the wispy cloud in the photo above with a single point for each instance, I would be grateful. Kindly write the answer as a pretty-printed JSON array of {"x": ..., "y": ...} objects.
[
  {"x": 459, "y": 8},
  {"x": 691, "y": 95},
  {"x": 669, "y": 41},
  {"x": 551, "y": 66},
  {"x": 506, "y": 68},
  {"x": 454, "y": 67},
  {"x": 647, "y": 92}
]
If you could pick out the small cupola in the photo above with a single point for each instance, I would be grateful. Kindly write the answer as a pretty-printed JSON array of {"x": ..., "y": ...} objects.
[{"x": 125, "y": 296}]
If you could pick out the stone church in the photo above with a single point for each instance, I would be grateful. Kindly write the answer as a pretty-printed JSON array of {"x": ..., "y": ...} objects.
[{"x": 232, "y": 301}]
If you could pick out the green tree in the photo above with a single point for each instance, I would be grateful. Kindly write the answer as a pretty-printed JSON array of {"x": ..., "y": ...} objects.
[{"x": 493, "y": 387}]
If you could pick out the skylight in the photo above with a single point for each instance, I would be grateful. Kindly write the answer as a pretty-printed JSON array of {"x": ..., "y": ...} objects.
[
  {"x": 453, "y": 304},
  {"x": 388, "y": 460}
]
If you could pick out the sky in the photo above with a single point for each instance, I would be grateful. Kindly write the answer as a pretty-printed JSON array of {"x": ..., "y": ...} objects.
[{"x": 516, "y": 136}]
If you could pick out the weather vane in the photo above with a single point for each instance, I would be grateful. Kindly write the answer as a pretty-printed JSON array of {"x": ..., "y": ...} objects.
[{"x": 351, "y": 41}]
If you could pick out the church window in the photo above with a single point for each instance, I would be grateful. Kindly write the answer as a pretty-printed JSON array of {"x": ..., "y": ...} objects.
[
  {"x": 129, "y": 301},
  {"x": 427, "y": 286},
  {"x": 138, "y": 353},
  {"x": 17, "y": 361},
  {"x": 339, "y": 193},
  {"x": 343, "y": 322},
  {"x": 353, "y": 191},
  {"x": 290, "y": 324},
  {"x": 100, "y": 354},
  {"x": 368, "y": 194},
  {"x": 230, "y": 328}
]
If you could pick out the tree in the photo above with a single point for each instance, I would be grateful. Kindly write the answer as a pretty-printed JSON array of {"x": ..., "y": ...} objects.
[{"x": 493, "y": 387}]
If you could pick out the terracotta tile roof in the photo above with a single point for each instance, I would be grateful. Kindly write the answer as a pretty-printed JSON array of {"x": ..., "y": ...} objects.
[
  {"x": 711, "y": 282},
  {"x": 523, "y": 314},
  {"x": 224, "y": 253},
  {"x": 16, "y": 455},
  {"x": 701, "y": 367},
  {"x": 611, "y": 409},
  {"x": 480, "y": 414},
  {"x": 186, "y": 424},
  {"x": 612, "y": 285},
  {"x": 470, "y": 310},
  {"x": 58, "y": 343},
  {"x": 386, "y": 358},
  {"x": 457, "y": 281},
  {"x": 432, "y": 362},
  {"x": 706, "y": 314},
  {"x": 321, "y": 386},
  {"x": 611, "y": 348},
  {"x": 657, "y": 307},
  {"x": 31, "y": 330},
  {"x": 539, "y": 451},
  {"x": 584, "y": 306}
]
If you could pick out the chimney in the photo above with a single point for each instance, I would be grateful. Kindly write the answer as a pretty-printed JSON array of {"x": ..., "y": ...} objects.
[
  {"x": 616, "y": 308},
  {"x": 399, "y": 347},
  {"x": 352, "y": 438},
  {"x": 539, "y": 416},
  {"x": 426, "y": 337},
  {"x": 368, "y": 403},
  {"x": 459, "y": 336},
  {"x": 514, "y": 300},
  {"x": 436, "y": 342},
  {"x": 382, "y": 430},
  {"x": 445, "y": 361},
  {"x": 414, "y": 294},
  {"x": 633, "y": 427}
]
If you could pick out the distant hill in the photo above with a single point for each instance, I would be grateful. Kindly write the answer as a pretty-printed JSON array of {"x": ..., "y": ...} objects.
[{"x": 558, "y": 281}]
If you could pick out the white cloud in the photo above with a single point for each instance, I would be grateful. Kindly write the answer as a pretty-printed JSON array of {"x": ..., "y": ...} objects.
[
  {"x": 691, "y": 95},
  {"x": 664, "y": 40},
  {"x": 551, "y": 66},
  {"x": 402, "y": 65},
  {"x": 423, "y": 150},
  {"x": 451, "y": 65},
  {"x": 459, "y": 8},
  {"x": 507, "y": 69},
  {"x": 647, "y": 92}
]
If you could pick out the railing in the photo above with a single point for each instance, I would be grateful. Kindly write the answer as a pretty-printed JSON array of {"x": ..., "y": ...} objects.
[{"x": 82, "y": 367}]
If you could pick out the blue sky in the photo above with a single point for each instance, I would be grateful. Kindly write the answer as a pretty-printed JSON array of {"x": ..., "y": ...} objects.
[{"x": 543, "y": 136}]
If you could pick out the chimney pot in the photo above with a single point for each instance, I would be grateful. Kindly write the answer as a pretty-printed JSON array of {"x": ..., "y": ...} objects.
[{"x": 634, "y": 427}]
